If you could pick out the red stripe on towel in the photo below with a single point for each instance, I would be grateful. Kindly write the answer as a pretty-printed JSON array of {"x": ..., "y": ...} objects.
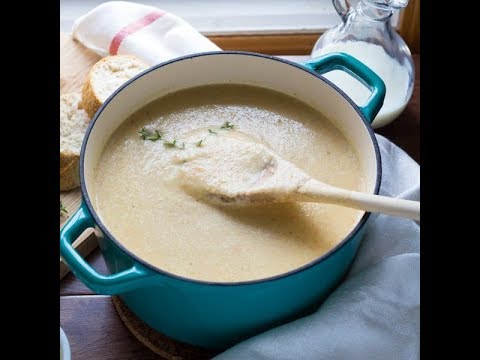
[{"x": 132, "y": 28}]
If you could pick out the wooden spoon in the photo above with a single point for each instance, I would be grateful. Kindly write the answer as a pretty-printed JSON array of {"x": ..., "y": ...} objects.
[{"x": 231, "y": 167}]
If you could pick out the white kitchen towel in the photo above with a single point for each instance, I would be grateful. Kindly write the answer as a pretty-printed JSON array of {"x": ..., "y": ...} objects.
[
  {"x": 153, "y": 35},
  {"x": 375, "y": 312}
]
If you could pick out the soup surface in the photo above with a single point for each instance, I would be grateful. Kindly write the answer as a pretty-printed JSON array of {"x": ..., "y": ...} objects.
[{"x": 138, "y": 197}]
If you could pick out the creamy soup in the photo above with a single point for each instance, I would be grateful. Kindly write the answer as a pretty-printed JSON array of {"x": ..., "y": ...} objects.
[{"x": 139, "y": 198}]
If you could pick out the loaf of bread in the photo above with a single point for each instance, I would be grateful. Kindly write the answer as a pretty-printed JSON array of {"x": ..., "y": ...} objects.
[
  {"x": 106, "y": 76},
  {"x": 73, "y": 124}
]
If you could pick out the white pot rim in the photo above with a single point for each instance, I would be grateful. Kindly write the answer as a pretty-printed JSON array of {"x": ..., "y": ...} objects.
[{"x": 356, "y": 229}]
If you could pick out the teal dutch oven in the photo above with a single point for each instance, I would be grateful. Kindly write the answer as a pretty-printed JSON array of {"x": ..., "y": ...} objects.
[{"x": 219, "y": 314}]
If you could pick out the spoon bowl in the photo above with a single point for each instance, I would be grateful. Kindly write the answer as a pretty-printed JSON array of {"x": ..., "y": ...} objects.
[{"x": 231, "y": 167}]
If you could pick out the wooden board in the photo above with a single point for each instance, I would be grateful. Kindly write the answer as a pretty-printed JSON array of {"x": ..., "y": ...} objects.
[{"x": 75, "y": 62}]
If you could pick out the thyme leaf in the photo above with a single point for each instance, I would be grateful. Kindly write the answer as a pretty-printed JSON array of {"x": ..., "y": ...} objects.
[
  {"x": 227, "y": 126},
  {"x": 155, "y": 135},
  {"x": 172, "y": 143},
  {"x": 150, "y": 135},
  {"x": 143, "y": 133}
]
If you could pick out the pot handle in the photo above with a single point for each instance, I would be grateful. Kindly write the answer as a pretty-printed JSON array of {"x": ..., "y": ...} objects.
[
  {"x": 102, "y": 284},
  {"x": 355, "y": 68}
]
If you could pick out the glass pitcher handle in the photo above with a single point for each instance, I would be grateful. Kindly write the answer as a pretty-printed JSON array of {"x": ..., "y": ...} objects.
[{"x": 342, "y": 7}]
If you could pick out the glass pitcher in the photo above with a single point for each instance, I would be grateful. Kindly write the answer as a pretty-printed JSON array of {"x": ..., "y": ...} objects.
[{"x": 367, "y": 34}]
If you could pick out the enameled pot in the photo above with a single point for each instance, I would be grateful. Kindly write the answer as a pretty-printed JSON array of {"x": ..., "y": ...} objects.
[{"x": 209, "y": 314}]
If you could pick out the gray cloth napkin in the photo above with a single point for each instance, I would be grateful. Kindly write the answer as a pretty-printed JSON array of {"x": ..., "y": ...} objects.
[{"x": 375, "y": 312}]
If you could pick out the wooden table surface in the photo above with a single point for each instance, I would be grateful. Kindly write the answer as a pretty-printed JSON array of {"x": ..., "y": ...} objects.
[{"x": 90, "y": 321}]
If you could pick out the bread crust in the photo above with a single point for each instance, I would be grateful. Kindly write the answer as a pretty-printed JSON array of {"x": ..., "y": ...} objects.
[
  {"x": 70, "y": 175},
  {"x": 90, "y": 101}
]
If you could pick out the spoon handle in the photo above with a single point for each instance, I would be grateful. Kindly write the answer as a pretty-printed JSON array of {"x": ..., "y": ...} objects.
[{"x": 315, "y": 191}]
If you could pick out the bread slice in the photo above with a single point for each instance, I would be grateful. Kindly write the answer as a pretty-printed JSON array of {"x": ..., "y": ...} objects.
[
  {"x": 106, "y": 76},
  {"x": 73, "y": 124}
]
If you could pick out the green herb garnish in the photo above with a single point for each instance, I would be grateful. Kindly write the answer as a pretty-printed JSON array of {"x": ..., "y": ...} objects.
[
  {"x": 149, "y": 135},
  {"x": 143, "y": 133},
  {"x": 155, "y": 135},
  {"x": 227, "y": 126},
  {"x": 174, "y": 144},
  {"x": 63, "y": 210},
  {"x": 170, "y": 143}
]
